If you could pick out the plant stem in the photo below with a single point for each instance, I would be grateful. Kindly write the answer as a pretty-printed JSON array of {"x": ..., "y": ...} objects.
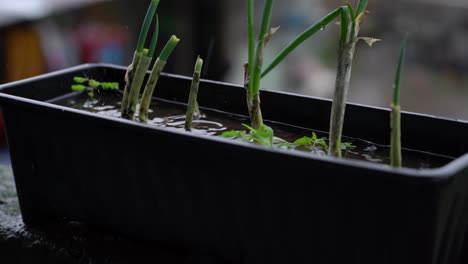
[
  {"x": 192, "y": 102},
  {"x": 129, "y": 77},
  {"x": 253, "y": 100},
  {"x": 346, "y": 50},
  {"x": 395, "y": 139},
  {"x": 345, "y": 59},
  {"x": 395, "y": 118},
  {"x": 149, "y": 89},
  {"x": 154, "y": 77},
  {"x": 142, "y": 68}
]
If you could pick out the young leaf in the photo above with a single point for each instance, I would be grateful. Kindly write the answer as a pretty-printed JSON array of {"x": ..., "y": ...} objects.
[
  {"x": 94, "y": 83},
  {"x": 78, "y": 87},
  {"x": 80, "y": 79},
  {"x": 314, "y": 136},
  {"x": 322, "y": 143},
  {"x": 110, "y": 85},
  {"x": 91, "y": 93},
  {"x": 232, "y": 134},
  {"x": 303, "y": 141},
  {"x": 347, "y": 146}
]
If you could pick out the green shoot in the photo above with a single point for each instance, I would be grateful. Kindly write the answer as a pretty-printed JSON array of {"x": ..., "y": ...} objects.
[
  {"x": 253, "y": 76},
  {"x": 192, "y": 102},
  {"x": 167, "y": 50},
  {"x": 146, "y": 25},
  {"x": 351, "y": 20},
  {"x": 154, "y": 39},
  {"x": 83, "y": 84},
  {"x": 154, "y": 77},
  {"x": 395, "y": 138},
  {"x": 142, "y": 58}
]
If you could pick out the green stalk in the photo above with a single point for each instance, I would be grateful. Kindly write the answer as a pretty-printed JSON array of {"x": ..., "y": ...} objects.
[
  {"x": 192, "y": 102},
  {"x": 129, "y": 77},
  {"x": 301, "y": 38},
  {"x": 154, "y": 39},
  {"x": 142, "y": 68},
  {"x": 133, "y": 71},
  {"x": 154, "y": 77},
  {"x": 395, "y": 123},
  {"x": 345, "y": 61},
  {"x": 146, "y": 25},
  {"x": 253, "y": 95}
]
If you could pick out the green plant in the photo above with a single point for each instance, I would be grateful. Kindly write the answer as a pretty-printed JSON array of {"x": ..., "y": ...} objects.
[
  {"x": 351, "y": 21},
  {"x": 263, "y": 135},
  {"x": 141, "y": 60},
  {"x": 154, "y": 77},
  {"x": 192, "y": 102},
  {"x": 255, "y": 60},
  {"x": 395, "y": 119},
  {"x": 91, "y": 86}
]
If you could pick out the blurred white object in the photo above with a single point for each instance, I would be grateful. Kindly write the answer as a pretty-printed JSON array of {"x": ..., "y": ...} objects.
[{"x": 11, "y": 12}]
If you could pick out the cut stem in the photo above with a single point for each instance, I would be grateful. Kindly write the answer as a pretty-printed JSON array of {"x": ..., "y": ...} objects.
[
  {"x": 142, "y": 68},
  {"x": 154, "y": 77},
  {"x": 347, "y": 46},
  {"x": 129, "y": 77},
  {"x": 192, "y": 102},
  {"x": 345, "y": 61}
]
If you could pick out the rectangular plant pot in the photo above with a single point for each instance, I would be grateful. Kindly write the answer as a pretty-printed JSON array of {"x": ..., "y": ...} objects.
[{"x": 204, "y": 192}]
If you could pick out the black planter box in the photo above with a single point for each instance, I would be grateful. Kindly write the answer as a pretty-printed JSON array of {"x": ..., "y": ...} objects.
[{"x": 203, "y": 192}]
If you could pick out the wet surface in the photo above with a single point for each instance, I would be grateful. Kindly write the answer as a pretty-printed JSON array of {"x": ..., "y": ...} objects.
[
  {"x": 172, "y": 115},
  {"x": 72, "y": 242}
]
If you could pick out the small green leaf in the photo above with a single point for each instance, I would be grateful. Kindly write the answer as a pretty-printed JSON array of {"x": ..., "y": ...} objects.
[
  {"x": 347, "y": 146},
  {"x": 94, "y": 83},
  {"x": 314, "y": 136},
  {"x": 110, "y": 85},
  {"x": 322, "y": 143},
  {"x": 303, "y": 141},
  {"x": 232, "y": 134},
  {"x": 78, "y": 87},
  {"x": 91, "y": 93},
  {"x": 80, "y": 79}
]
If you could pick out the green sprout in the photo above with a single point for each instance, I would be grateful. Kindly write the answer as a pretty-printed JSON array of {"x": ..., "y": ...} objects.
[
  {"x": 255, "y": 60},
  {"x": 351, "y": 21},
  {"x": 395, "y": 123},
  {"x": 262, "y": 136},
  {"x": 141, "y": 60},
  {"x": 154, "y": 77},
  {"x": 83, "y": 84},
  {"x": 192, "y": 102}
]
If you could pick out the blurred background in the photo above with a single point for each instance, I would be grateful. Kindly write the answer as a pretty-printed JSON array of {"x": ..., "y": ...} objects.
[{"x": 39, "y": 36}]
